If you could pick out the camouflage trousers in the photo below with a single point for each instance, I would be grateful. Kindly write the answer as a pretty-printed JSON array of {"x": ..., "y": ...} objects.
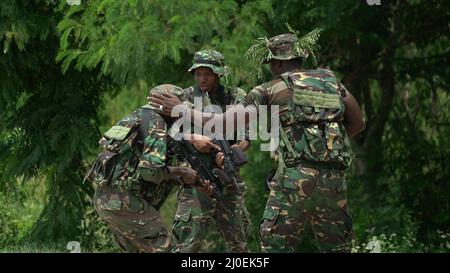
[
  {"x": 307, "y": 195},
  {"x": 136, "y": 225},
  {"x": 197, "y": 214}
]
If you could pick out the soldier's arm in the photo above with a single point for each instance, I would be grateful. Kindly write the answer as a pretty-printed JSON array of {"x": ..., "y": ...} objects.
[
  {"x": 244, "y": 145},
  {"x": 201, "y": 143},
  {"x": 241, "y": 96},
  {"x": 152, "y": 165},
  {"x": 199, "y": 118},
  {"x": 353, "y": 118},
  {"x": 246, "y": 111}
]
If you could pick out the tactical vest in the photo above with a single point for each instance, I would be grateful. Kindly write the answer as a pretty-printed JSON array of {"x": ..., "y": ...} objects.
[
  {"x": 311, "y": 131},
  {"x": 122, "y": 144}
]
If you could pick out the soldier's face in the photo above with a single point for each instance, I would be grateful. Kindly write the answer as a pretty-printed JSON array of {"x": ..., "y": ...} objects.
[
  {"x": 275, "y": 67},
  {"x": 206, "y": 79}
]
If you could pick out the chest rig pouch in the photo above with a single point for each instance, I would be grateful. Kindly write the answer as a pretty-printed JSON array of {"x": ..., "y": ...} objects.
[
  {"x": 117, "y": 163},
  {"x": 311, "y": 130}
]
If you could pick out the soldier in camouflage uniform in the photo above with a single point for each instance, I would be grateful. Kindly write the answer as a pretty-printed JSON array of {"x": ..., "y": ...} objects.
[
  {"x": 134, "y": 175},
  {"x": 315, "y": 112},
  {"x": 197, "y": 213},
  {"x": 309, "y": 185}
]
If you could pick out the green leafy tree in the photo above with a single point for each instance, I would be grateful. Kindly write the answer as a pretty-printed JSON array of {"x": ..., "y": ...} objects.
[
  {"x": 60, "y": 63},
  {"x": 48, "y": 119}
]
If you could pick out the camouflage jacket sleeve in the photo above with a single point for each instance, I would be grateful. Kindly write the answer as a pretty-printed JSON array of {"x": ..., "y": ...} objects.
[
  {"x": 256, "y": 96},
  {"x": 152, "y": 164},
  {"x": 342, "y": 90},
  {"x": 239, "y": 97}
]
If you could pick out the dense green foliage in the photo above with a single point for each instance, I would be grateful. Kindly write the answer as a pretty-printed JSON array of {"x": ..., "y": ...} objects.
[{"x": 69, "y": 72}]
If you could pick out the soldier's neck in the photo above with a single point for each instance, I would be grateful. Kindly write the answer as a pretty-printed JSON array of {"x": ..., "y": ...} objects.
[
  {"x": 290, "y": 67},
  {"x": 286, "y": 69}
]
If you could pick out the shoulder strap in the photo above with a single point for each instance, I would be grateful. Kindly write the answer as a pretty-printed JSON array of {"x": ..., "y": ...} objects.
[
  {"x": 145, "y": 120},
  {"x": 287, "y": 80},
  {"x": 287, "y": 143}
]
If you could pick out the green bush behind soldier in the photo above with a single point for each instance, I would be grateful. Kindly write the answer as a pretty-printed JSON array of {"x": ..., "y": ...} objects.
[
  {"x": 197, "y": 214},
  {"x": 315, "y": 113},
  {"x": 134, "y": 175}
]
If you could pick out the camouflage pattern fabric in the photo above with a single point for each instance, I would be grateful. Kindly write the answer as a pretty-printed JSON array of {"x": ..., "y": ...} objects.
[
  {"x": 307, "y": 195},
  {"x": 282, "y": 47},
  {"x": 309, "y": 186},
  {"x": 136, "y": 225},
  {"x": 198, "y": 215},
  {"x": 134, "y": 185},
  {"x": 211, "y": 59},
  {"x": 127, "y": 201},
  {"x": 312, "y": 129},
  {"x": 224, "y": 96}
]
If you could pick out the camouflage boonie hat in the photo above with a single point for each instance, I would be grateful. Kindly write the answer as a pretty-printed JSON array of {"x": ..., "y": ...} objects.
[
  {"x": 170, "y": 88},
  {"x": 211, "y": 59},
  {"x": 283, "y": 47}
]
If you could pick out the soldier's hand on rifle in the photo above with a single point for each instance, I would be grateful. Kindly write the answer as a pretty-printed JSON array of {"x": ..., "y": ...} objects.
[
  {"x": 203, "y": 144},
  {"x": 220, "y": 158},
  {"x": 188, "y": 175},
  {"x": 205, "y": 187}
]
